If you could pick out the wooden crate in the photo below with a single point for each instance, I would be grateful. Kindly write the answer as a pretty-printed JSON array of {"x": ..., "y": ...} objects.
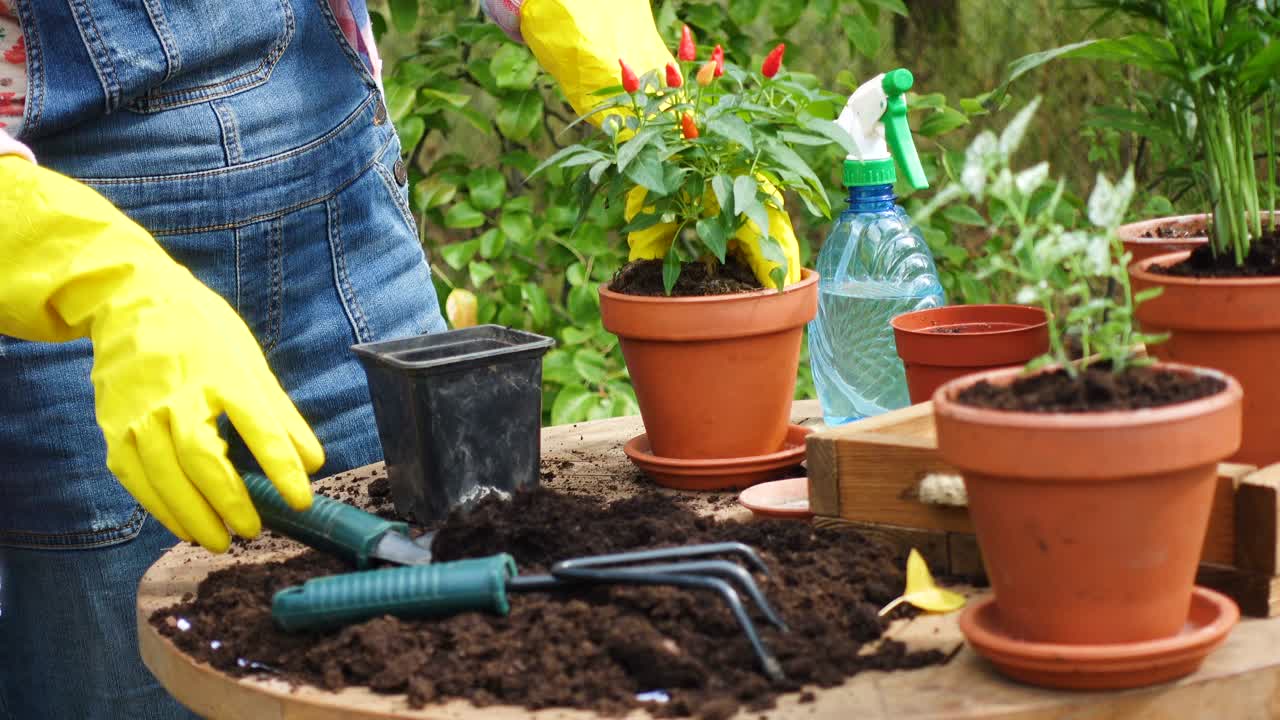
[{"x": 869, "y": 473}]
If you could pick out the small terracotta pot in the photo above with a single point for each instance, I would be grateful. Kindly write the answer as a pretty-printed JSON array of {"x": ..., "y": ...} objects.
[
  {"x": 1229, "y": 324},
  {"x": 1190, "y": 228},
  {"x": 1090, "y": 524},
  {"x": 941, "y": 344},
  {"x": 715, "y": 376}
]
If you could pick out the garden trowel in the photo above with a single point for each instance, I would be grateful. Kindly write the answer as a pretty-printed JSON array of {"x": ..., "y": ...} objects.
[{"x": 338, "y": 528}]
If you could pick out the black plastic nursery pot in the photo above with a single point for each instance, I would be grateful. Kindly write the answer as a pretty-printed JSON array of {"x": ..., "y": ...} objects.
[{"x": 459, "y": 415}]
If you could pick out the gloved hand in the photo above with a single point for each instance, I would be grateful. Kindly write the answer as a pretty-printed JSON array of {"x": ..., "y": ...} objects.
[
  {"x": 653, "y": 242},
  {"x": 579, "y": 42},
  {"x": 170, "y": 356}
]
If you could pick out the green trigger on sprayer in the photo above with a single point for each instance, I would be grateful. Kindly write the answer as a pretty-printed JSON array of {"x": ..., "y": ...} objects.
[{"x": 876, "y": 118}]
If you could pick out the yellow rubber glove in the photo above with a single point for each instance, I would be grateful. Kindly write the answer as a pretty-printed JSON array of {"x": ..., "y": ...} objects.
[
  {"x": 579, "y": 42},
  {"x": 170, "y": 356}
]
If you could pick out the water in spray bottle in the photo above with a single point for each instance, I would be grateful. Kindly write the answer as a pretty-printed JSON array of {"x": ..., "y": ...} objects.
[{"x": 874, "y": 265}]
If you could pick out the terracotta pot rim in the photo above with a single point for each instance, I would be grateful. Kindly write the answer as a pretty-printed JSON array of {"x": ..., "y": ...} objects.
[
  {"x": 807, "y": 277},
  {"x": 944, "y": 403},
  {"x": 1139, "y": 270},
  {"x": 1188, "y": 240},
  {"x": 1123, "y": 230},
  {"x": 1115, "y": 654},
  {"x": 982, "y": 307}
]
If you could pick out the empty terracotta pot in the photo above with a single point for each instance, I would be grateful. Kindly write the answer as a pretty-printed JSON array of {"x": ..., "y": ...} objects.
[
  {"x": 941, "y": 344},
  {"x": 1160, "y": 236},
  {"x": 714, "y": 375},
  {"x": 1090, "y": 524},
  {"x": 1230, "y": 324}
]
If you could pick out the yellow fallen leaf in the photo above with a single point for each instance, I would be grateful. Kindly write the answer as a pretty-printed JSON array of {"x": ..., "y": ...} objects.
[
  {"x": 461, "y": 308},
  {"x": 922, "y": 591}
]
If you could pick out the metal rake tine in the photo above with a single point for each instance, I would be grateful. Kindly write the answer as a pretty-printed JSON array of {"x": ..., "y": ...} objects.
[
  {"x": 722, "y": 568},
  {"x": 772, "y": 668},
  {"x": 687, "y": 551}
]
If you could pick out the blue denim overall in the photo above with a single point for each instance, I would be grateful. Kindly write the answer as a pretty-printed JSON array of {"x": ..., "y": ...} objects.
[{"x": 251, "y": 140}]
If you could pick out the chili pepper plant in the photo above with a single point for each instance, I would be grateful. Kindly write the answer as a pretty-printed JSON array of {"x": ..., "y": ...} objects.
[{"x": 709, "y": 147}]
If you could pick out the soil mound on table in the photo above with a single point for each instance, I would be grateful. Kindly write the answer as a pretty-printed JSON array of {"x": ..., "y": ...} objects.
[{"x": 593, "y": 649}]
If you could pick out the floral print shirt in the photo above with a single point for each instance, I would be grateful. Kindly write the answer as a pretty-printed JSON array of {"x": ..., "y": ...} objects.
[{"x": 13, "y": 70}]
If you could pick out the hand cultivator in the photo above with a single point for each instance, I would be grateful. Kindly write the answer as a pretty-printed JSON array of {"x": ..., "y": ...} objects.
[{"x": 424, "y": 590}]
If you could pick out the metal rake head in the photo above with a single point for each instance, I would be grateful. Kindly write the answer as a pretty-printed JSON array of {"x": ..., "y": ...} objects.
[{"x": 687, "y": 567}]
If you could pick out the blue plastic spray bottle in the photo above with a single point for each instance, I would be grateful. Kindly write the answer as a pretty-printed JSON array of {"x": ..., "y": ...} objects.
[{"x": 874, "y": 265}]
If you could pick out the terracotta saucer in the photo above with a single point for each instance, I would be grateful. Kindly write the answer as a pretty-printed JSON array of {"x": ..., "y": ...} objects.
[
  {"x": 1102, "y": 667},
  {"x": 718, "y": 474},
  {"x": 787, "y": 498}
]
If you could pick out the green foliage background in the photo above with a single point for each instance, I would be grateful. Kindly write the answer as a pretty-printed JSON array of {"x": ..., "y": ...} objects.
[{"x": 476, "y": 115}]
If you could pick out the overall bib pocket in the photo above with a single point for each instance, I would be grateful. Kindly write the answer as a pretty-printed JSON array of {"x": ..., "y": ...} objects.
[{"x": 215, "y": 49}]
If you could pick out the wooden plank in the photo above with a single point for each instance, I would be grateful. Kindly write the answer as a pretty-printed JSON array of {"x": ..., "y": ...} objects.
[
  {"x": 821, "y": 462},
  {"x": 1257, "y": 515},
  {"x": 1220, "y": 537},
  {"x": 824, "y": 463},
  {"x": 1257, "y": 595},
  {"x": 869, "y": 471},
  {"x": 965, "y": 556},
  {"x": 932, "y": 544},
  {"x": 878, "y": 479},
  {"x": 1238, "y": 681},
  {"x": 957, "y": 554}
]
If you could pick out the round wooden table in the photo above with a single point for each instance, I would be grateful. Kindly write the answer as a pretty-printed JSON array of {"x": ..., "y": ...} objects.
[{"x": 1241, "y": 680}]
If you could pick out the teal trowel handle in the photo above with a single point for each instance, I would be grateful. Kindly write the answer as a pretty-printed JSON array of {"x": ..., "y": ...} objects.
[
  {"x": 328, "y": 525},
  {"x": 410, "y": 591}
]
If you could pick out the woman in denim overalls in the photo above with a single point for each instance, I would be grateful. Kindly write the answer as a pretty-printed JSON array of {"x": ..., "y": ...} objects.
[{"x": 252, "y": 141}]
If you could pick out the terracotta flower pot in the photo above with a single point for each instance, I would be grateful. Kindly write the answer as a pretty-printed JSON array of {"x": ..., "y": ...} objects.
[
  {"x": 1090, "y": 524},
  {"x": 941, "y": 344},
  {"x": 1143, "y": 239},
  {"x": 1230, "y": 324},
  {"x": 715, "y": 375}
]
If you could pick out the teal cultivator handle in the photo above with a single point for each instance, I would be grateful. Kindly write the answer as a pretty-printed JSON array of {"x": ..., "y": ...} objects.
[
  {"x": 412, "y": 591},
  {"x": 328, "y": 525}
]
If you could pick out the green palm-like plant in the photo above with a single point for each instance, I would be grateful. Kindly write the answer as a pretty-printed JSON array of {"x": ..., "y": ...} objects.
[{"x": 1219, "y": 59}]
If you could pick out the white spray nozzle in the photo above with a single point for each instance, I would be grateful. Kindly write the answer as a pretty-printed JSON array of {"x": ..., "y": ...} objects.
[{"x": 861, "y": 119}]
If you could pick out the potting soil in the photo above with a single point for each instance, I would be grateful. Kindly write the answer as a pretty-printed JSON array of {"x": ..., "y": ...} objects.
[
  {"x": 594, "y": 649},
  {"x": 1263, "y": 260},
  {"x": 644, "y": 277},
  {"x": 1095, "y": 390}
]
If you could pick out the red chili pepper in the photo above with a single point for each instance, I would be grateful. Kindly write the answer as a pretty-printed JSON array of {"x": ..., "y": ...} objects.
[
  {"x": 717, "y": 56},
  {"x": 630, "y": 82},
  {"x": 773, "y": 61},
  {"x": 673, "y": 76},
  {"x": 688, "y": 51},
  {"x": 707, "y": 73},
  {"x": 690, "y": 130}
]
